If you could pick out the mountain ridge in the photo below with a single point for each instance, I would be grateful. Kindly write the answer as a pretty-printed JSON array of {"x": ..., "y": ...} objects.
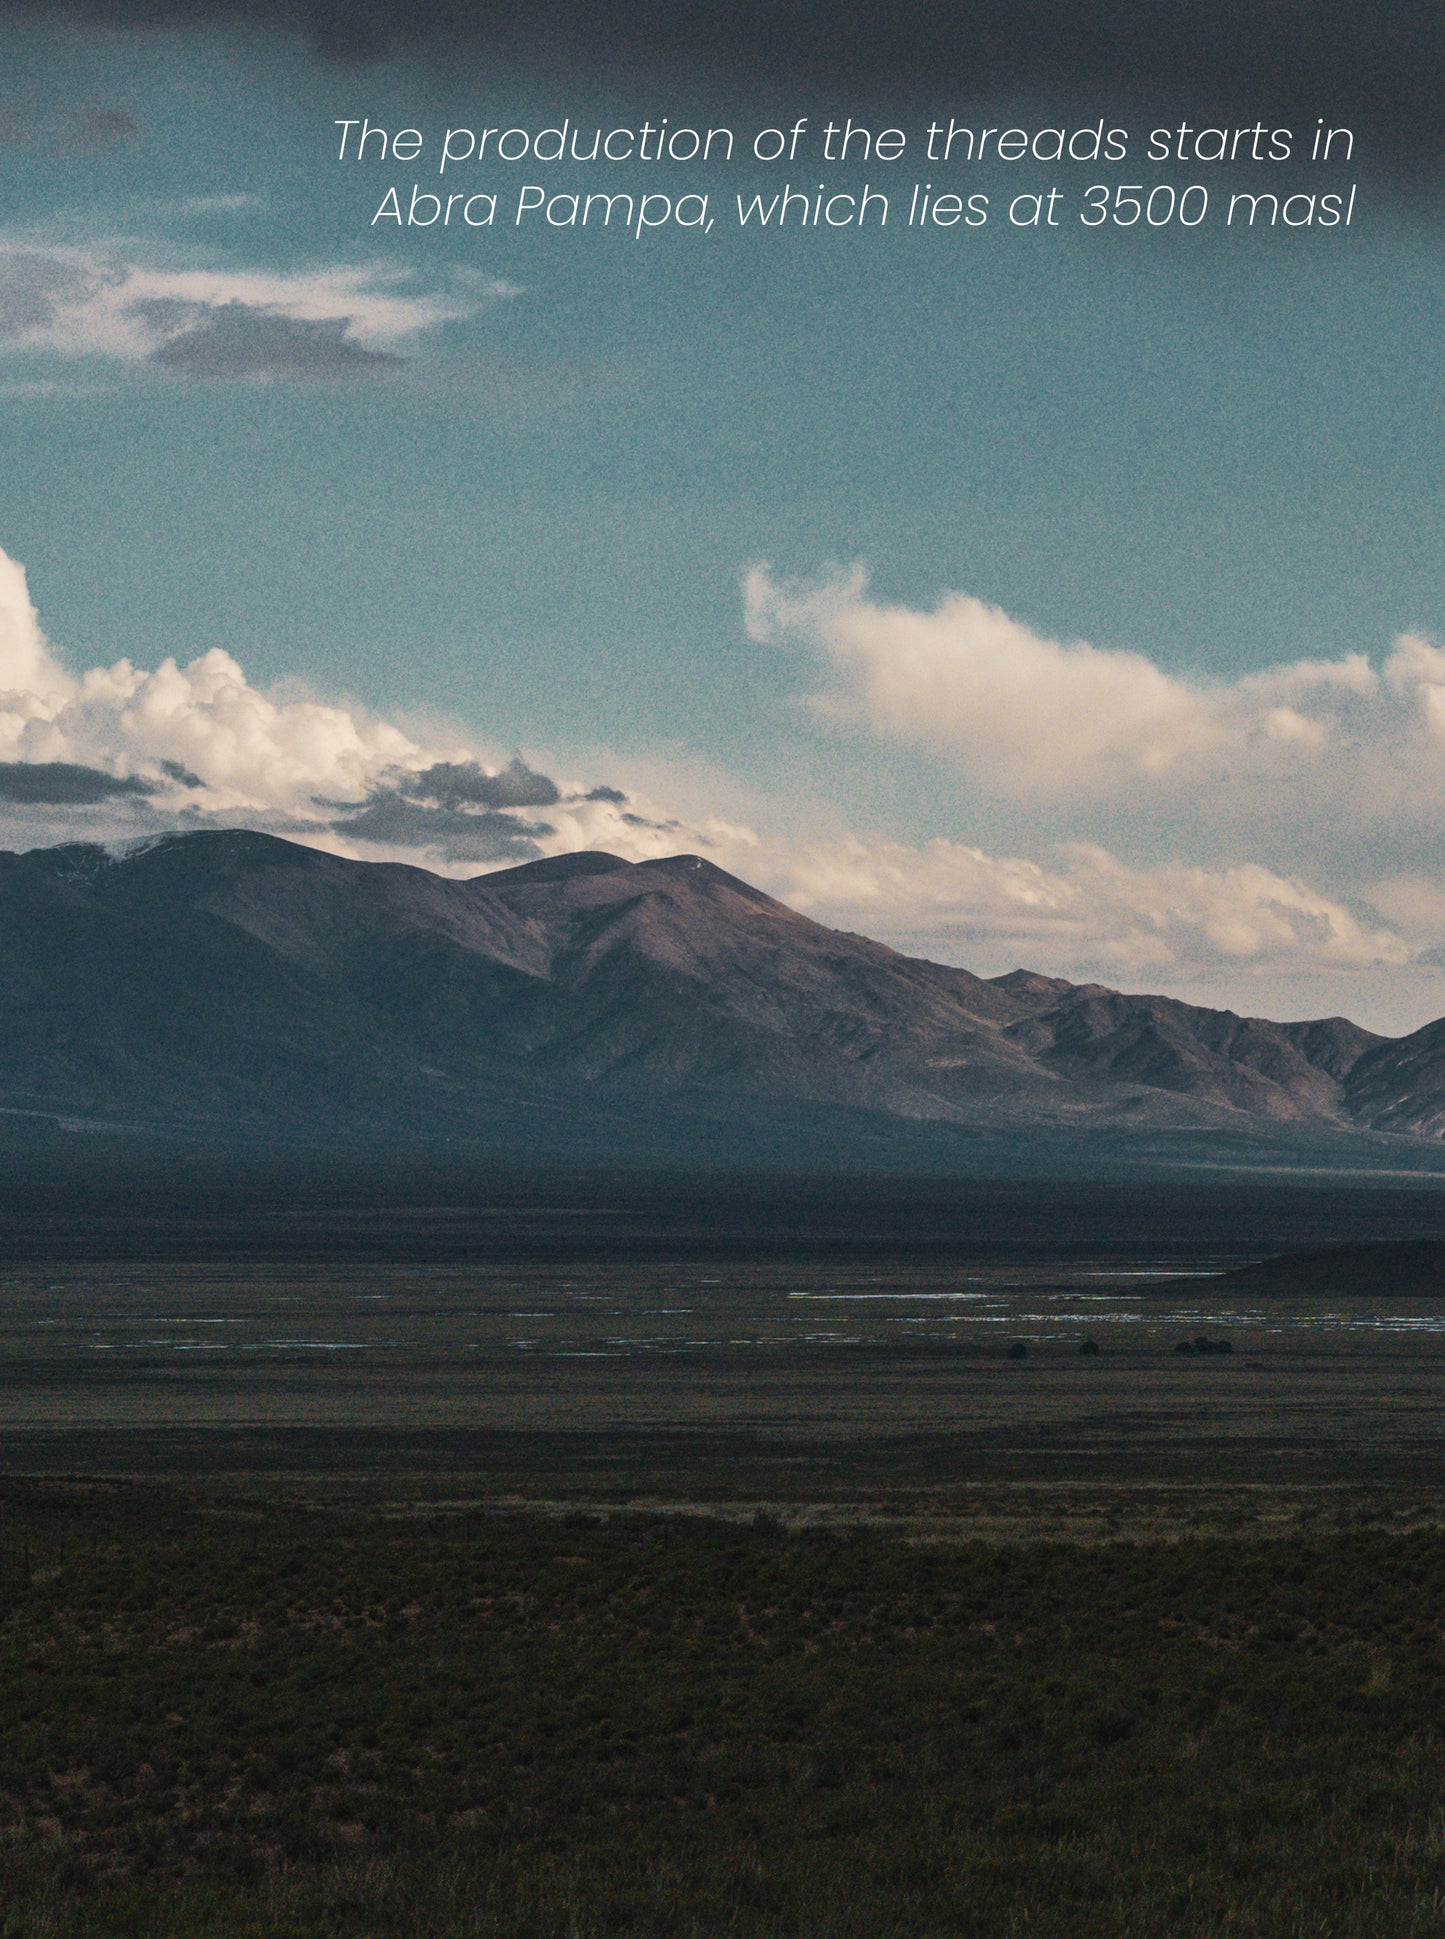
[{"x": 236, "y": 979}]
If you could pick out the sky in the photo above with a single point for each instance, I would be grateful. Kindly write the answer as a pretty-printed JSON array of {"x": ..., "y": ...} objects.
[{"x": 1064, "y": 594}]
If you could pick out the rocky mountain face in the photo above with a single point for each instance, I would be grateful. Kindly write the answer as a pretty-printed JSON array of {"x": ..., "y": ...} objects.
[{"x": 237, "y": 981}]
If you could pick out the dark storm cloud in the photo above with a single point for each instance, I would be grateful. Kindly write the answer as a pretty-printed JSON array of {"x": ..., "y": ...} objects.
[
  {"x": 459, "y": 808},
  {"x": 1377, "y": 69},
  {"x": 182, "y": 777},
  {"x": 63, "y": 784},
  {"x": 235, "y": 340},
  {"x": 456, "y": 784},
  {"x": 487, "y": 836}
]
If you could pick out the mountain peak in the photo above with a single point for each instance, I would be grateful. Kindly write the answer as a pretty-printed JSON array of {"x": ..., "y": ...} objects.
[{"x": 561, "y": 868}]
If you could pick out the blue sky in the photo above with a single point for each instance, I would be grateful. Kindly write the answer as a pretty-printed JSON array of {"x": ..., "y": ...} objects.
[{"x": 497, "y": 492}]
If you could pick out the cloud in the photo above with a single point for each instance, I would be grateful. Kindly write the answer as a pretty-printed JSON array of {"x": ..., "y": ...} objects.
[
  {"x": 453, "y": 784},
  {"x": 1292, "y": 59},
  {"x": 458, "y": 808},
  {"x": 200, "y": 728},
  {"x": 328, "y": 323},
  {"x": 31, "y": 678},
  {"x": 121, "y": 750},
  {"x": 462, "y": 837},
  {"x": 1083, "y": 910},
  {"x": 234, "y": 340},
  {"x": 64, "y": 783},
  {"x": 1032, "y": 717},
  {"x": 1330, "y": 761},
  {"x": 36, "y": 288}
]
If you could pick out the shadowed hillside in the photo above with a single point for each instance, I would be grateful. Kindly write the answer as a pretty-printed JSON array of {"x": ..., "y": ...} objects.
[{"x": 1383, "y": 1269}]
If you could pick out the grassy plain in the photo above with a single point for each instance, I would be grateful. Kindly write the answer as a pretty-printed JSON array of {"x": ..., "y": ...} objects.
[
  {"x": 729, "y": 1593},
  {"x": 754, "y": 1381},
  {"x": 225, "y": 1716}
]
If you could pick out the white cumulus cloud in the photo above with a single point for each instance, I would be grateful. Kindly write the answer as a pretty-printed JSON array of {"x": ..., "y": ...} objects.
[
  {"x": 216, "y": 750},
  {"x": 1042, "y": 720},
  {"x": 1081, "y": 910}
]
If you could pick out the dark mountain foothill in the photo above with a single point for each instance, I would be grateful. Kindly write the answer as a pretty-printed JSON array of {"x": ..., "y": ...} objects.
[
  {"x": 236, "y": 985},
  {"x": 1382, "y": 1269}
]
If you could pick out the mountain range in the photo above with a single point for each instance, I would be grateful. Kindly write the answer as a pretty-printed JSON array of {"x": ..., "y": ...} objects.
[{"x": 237, "y": 984}]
